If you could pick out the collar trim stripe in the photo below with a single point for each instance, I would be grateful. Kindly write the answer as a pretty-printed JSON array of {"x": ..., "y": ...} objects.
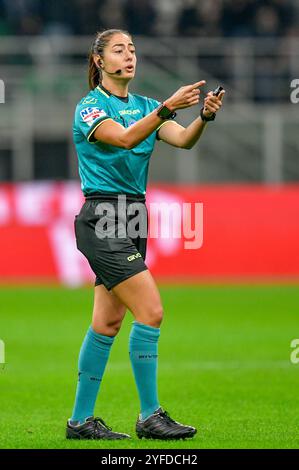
[{"x": 102, "y": 91}]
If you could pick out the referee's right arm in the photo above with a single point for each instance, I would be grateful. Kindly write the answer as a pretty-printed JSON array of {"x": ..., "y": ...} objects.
[{"x": 113, "y": 133}]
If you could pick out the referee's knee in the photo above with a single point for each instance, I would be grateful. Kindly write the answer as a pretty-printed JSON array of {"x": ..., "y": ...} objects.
[
  {"x": 106, "y": 329},
  {"x": 151, "y": 316}
]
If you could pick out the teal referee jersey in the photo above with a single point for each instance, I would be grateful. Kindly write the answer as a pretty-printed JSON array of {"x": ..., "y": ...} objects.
[{"x": 106, "y": 168}]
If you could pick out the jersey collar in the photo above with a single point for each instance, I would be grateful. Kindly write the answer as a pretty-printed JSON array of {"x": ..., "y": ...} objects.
[{"x": 107, "y": 93}]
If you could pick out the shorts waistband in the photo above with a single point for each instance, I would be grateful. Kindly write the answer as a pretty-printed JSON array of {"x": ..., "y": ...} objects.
[{"x": 114, "y": 197}]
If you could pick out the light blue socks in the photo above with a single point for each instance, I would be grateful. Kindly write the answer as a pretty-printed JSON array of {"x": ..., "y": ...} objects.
[
  {"x": 93, "y": 358},
  {"x": 94, "y": 354},
  {"x": 143, "y": 348}
]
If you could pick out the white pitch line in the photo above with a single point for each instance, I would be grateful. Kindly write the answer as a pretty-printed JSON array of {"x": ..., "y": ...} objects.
[{"x": 213, "y": 365}]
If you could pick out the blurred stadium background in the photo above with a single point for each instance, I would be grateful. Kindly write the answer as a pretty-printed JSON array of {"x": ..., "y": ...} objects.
[
  {"x": 250, "y": 47},
  {"x": 245, "y": 171}
]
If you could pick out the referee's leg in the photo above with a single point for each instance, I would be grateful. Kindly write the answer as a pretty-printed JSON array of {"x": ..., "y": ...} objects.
[
  {"x": 108, "y": 313},
  {"x": 140, "y": 294}
]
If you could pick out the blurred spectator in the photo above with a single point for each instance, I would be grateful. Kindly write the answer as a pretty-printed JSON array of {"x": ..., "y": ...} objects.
[
  {"x": 167, "y": 16},
  {"x": 205, "y": 18},
  {"x": 54, "y": 13},
  {"x": 237, "y": 17},
  {"x": 266, "y": 22},
  {"x": 87, "y": 17},
  {"x": 286, "y": 13},
  {"x": 189, "y": 21},
  {"x": 140, "y": 17},
  {"x": 113, "y": 16},
  {"x": 22, "y": 16},
  {"x": 200, "y": 19},
  {"x": 211, "y": 14},
  {"x": 293, "y": 31},
  {"x": 30, "y": 24}
]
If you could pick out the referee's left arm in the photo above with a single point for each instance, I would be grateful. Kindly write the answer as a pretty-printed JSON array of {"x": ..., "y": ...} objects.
[{"x": 186, "y": 137}]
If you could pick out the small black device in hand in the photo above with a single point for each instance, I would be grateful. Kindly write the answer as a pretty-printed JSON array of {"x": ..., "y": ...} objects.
[
  {"x": 212, "y": 117},
  {"x": 217, "y": 90}
]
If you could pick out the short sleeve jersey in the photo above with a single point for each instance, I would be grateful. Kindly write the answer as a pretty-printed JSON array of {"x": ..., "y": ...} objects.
[{"x": 107, "y": 168}]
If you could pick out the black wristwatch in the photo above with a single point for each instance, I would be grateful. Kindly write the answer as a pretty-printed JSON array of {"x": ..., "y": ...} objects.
[
  {"x": 206, "y": 119},
  {"x": 165, "y": 113}
]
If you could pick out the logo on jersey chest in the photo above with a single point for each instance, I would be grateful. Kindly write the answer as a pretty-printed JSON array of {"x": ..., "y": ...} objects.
[
  {"x": 131, "y": 112},
  {"x": 126, "y": 116}
]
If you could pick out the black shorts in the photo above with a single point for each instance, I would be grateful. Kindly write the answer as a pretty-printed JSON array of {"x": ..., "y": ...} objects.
[{"x": 111, "y": 240}]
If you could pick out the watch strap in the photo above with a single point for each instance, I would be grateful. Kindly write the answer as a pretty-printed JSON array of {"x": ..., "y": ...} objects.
[
  {"x": 164, "y": 113},
  {"x": 205, "y": 118}
]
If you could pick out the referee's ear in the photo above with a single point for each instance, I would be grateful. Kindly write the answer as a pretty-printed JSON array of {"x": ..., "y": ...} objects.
[{"x": 98, "y": 62}]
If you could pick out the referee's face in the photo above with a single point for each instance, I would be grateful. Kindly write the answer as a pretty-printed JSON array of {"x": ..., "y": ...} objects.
[{"x": 120, "y": 54}]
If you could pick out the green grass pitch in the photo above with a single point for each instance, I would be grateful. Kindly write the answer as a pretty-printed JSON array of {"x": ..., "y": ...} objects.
[{"x": 224, "y": 367}]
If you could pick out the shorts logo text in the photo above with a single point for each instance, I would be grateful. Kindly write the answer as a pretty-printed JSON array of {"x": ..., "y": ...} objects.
[{"x": 132, "y": 257}]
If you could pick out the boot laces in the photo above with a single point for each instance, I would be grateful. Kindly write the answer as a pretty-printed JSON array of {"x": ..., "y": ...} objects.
[
  {"x": 167, "y": 418},
  {"x": 100, "y": 423}
]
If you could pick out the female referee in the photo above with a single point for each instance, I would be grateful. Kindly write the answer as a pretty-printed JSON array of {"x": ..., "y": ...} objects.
[{"x": 114, "y": 135}]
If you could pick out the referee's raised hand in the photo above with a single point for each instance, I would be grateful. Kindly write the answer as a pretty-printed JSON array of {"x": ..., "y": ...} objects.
[
  {"x": 212, "y": 103},
  {"x": 185, "y": 96}
]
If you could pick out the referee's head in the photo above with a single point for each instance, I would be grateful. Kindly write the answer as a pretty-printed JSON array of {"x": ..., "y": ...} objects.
[{"x": 113, "y": 53}]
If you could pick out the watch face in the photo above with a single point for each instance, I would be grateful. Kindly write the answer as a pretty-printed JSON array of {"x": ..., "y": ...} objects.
[{"x": 164, "y": 112}]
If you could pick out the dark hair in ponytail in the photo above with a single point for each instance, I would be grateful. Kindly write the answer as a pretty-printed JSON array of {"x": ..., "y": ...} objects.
[{"x": 101, "y": 41}]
